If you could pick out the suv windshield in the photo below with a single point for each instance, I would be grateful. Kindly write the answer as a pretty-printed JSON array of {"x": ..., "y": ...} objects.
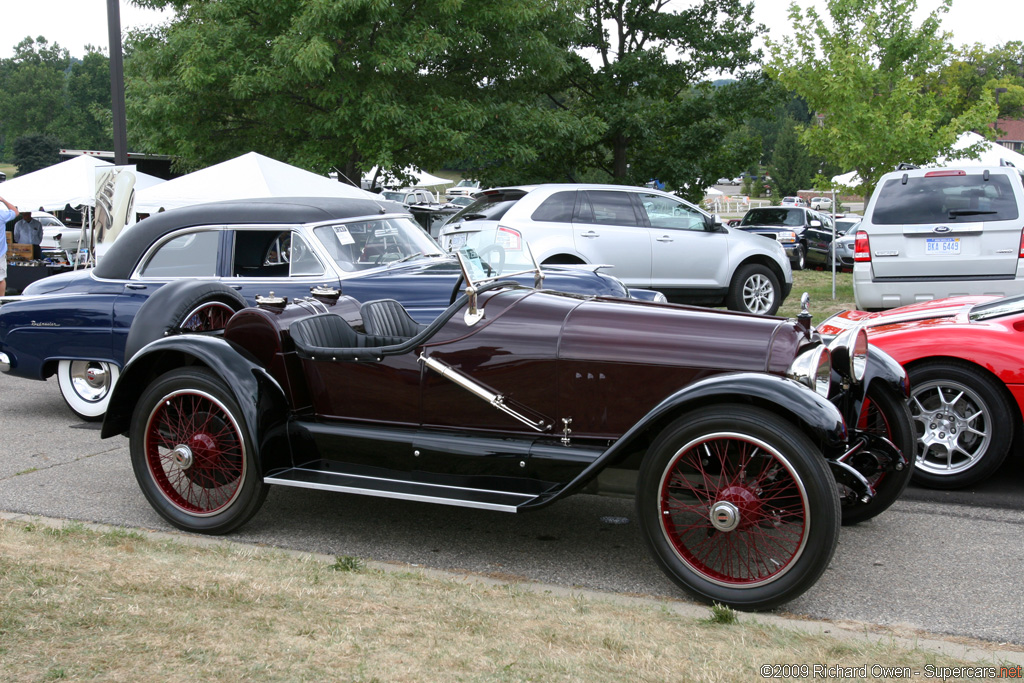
[
  {"x": 774, "y": 217},
  {"x": 937, "y": 199},
  {"x": 359, "y": 245}
]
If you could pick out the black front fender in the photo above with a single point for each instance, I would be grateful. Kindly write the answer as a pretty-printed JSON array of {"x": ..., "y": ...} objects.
[
  {"x": 882, "y": 372},
  {"x": 816, "y": 415},
  {"x": 263, "y": 403}
]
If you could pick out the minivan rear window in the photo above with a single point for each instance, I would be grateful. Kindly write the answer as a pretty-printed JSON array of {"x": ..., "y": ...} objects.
[{"x": 940, "y": 199}]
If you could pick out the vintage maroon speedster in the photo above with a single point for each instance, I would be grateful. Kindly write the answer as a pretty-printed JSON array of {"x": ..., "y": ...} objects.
[{"x": 745, "y": 439}]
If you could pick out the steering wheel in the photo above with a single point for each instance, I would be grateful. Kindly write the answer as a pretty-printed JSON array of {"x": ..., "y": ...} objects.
[
  {"x": 381, "y": 258},
  {"x": 497, "y": 249}
]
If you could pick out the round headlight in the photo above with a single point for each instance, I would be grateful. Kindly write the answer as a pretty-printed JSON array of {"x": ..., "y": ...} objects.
[
  {"x": 850, "y": 353},
  {"x": 814, "y": 369}
]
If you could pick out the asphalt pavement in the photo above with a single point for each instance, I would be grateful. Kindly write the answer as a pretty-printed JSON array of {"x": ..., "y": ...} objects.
[{"x": 946, "y": 563}]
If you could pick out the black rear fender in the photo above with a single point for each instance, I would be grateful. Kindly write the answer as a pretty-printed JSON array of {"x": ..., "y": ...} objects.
[{"x": 260, "y": 397}]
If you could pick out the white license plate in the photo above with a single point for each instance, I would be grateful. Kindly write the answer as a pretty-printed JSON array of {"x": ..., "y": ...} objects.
[
  {"x": 457, "y": 241},
  {"x": 942, "y": 245}
]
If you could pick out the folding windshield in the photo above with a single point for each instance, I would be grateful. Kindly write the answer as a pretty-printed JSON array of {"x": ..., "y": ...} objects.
[
  {"x": 363, "y": 244},
  {"x": 939, "y": 199},
  {"x": 787, "y": 218}
]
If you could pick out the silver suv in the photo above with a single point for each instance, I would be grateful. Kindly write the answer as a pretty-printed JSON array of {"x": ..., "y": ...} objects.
[
  {"x": 932, "y": 233},
  {"x": 653, "y": 239}
]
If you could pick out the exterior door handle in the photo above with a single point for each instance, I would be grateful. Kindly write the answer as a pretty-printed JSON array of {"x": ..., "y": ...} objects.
[
  {"x": 590, "y": 234},
  {"x": 137, "y": 286},
  {"x": 236, "y": 287},
  {"x": 665, "y": 238}
]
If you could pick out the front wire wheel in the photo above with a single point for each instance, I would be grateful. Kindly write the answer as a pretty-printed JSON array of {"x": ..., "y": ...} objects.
[
  {"x": 191, "y": 454},
  {"x": 886, "y": 415},
  {"x": 738, "y": 507}
]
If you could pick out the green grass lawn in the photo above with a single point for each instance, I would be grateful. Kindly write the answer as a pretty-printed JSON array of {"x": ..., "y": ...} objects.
[{"x": 818, "y": 283}]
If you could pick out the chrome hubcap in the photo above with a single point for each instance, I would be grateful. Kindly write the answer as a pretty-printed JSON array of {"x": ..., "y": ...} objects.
[
  {"x": 725, "y": 516},
  {"x": 182, "y": 456},
  {"x": 90, "y": 379}
]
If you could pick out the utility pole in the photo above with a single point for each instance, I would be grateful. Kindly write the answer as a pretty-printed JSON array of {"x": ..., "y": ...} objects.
[{"x": 117, "y": 83}]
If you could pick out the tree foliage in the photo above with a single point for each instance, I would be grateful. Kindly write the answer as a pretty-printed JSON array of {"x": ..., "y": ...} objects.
[
  {"x": 875, "y": 78},
  {"x": 48, "y": 93},
  {"x": 35, "y": 151},
  {"x": 349, "y": 84},
  {"x": 645, "y": 71},
  {"x": 792, "y": 168}
]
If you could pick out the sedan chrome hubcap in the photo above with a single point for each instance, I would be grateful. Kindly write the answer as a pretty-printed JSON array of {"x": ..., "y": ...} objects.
[{"x": 91, "y": 380}]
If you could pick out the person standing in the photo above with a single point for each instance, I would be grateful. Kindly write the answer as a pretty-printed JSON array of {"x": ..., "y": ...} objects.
[
  {"x": 29, "y": 231},
  {"x": 7, "y": 214}
]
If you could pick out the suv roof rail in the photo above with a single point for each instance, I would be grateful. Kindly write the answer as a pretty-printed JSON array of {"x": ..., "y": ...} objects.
[
  {"x": 1004, "y": 162},
  {"x": 904, "y": 166}
]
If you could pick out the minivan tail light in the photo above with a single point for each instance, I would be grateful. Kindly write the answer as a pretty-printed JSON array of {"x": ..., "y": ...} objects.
[
  {"x": 862, "y": 247},
  {"x": 1022, "y": 245},
  {"x": 944, "y": 172}
]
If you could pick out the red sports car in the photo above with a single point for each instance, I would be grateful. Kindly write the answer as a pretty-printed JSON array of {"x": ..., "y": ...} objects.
[{"x": 965, "y": 359}]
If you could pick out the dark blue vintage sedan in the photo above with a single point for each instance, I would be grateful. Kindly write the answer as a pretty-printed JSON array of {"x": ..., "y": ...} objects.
[{"x": 218, "y": 258}]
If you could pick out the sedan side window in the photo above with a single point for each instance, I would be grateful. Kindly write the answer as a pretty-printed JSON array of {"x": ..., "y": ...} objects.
[
  {"x": 190, "y": 255},
  {"x": 663, "y": 212},
  {"x": 265, "y": 253}
]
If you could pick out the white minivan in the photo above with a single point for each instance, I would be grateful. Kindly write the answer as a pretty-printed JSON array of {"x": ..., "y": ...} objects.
[{"x": 930, "y": 233}]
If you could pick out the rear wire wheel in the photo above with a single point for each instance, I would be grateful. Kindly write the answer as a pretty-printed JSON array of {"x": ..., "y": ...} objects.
[
  {"x": 738, "y": 507},
  {"x": 191, "y": 453}
]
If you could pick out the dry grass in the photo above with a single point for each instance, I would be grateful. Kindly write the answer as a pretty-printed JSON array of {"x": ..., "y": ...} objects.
[{"x": 79, "y": 604}]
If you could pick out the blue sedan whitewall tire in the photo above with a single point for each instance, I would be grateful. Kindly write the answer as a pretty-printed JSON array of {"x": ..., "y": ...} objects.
[{"x": 86, "y": 386}]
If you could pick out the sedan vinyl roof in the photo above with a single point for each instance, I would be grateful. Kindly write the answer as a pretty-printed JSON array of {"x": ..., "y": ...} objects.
[{"x": 123, "y": 254}]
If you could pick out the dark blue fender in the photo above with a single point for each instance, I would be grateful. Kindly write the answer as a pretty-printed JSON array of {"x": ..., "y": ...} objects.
[
  {"x": 816, "y": 415},
  {"x": 262, "y": 400}
]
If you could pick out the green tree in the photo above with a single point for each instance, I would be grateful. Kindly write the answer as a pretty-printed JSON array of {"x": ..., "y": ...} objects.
[
  {"x": 349, "y": 85},
  {"x": 647, "y": 77},
  {"x": 875, "y": 77},
  {"x": 32, "y": 83},
  {"x": 791, "y": 169},
  {"x": 86, "y": 121},
  {"x": 35, "y": 151}
]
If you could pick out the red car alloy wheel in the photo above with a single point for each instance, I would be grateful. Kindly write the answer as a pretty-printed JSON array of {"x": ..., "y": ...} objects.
[
  {"x": 195, "y": 452},
  {"x": 734, "y": 510}
]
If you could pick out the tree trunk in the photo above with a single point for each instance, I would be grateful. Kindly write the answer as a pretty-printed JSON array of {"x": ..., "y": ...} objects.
[{"x": 620, "y": 165}]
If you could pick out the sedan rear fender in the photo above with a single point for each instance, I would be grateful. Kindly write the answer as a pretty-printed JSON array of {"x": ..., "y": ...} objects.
[
  {"x": 814, "y": 414},
  {"x": 258, "y": 394}
]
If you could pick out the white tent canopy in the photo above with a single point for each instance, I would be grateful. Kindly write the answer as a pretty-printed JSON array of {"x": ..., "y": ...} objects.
[
  {"x": 990, "y": 156},
  {"x": 422, "y": 178},
  {"x": 249, "y": 176},
  {"x": 69, "y": 182}
]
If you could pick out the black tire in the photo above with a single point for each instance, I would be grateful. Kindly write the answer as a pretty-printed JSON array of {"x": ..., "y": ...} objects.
[
  {"x": 192, "y": 455},
  {"x": 738, "y": 507},
  {"x": 754, "y": 289},
  {"x": 964, "y": 436},
  {"x": 799, "y": 261},
  {"x": 888, "y": 415},
  {"x": 183, "y": 306}
]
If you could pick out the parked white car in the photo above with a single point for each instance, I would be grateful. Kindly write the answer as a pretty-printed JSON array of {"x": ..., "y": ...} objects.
[
  {"x": 821, "y": 203},
  {"x": 653, "y": 239},
  {"x": 464, "y": 188},
  {"x": 939, "y": 232}
]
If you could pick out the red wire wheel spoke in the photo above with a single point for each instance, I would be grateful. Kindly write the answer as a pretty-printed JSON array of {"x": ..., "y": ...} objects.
[
  {"x": 734, "y": 510},
  {"x": 195, "y": 452},
  {"x": 208, "y": 317}
]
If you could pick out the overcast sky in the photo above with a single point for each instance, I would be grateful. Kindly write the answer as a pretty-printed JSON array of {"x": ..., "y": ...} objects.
[{"x": 77, "y": 23}]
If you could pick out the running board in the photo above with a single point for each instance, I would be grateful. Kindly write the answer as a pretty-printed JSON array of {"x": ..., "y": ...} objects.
[{"x": 401, "y": 489}]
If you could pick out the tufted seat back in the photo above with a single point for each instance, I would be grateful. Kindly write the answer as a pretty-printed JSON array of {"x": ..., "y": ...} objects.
[
  {"x": 389, "y": 317},
  {"x": 329, "y": 337}
]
